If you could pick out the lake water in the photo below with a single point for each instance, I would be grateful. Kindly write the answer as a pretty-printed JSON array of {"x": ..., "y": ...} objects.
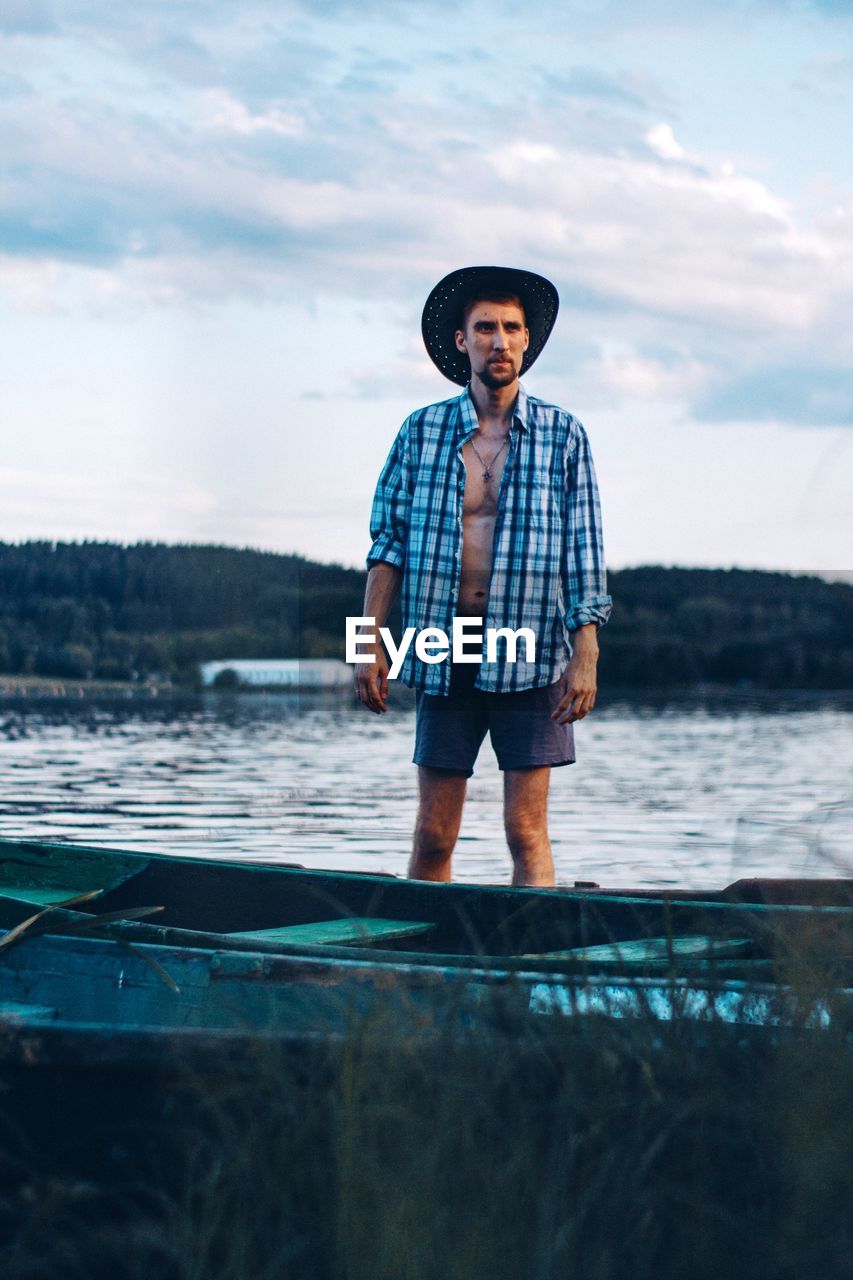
[{"x": 694, "y": 792}]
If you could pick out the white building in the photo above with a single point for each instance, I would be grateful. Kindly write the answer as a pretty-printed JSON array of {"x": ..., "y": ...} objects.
[{"x": 295, "y": 673}]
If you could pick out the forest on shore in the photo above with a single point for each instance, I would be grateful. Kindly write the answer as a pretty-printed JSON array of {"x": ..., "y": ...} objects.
[{"x": 150, "y": 611}]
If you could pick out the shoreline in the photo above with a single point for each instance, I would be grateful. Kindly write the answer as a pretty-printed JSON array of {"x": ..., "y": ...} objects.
[
  {"x": 40, "y": 689},
  {"x": 26, "y": 686}
]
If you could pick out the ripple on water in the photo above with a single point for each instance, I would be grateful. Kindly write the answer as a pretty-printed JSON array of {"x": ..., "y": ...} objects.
[{"x": 686, "y": 793}]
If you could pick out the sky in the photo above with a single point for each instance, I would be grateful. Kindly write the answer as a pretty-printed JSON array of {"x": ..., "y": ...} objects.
[{"x": 219, "y": 224}]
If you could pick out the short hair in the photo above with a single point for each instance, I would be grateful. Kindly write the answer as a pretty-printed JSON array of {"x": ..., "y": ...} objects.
[{"x": 487, "y": 295}]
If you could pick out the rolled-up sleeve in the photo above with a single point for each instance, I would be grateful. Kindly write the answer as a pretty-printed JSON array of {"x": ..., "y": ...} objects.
[
  {"x": 392, "y": 504},
  {"x": 583, "y": 571}
]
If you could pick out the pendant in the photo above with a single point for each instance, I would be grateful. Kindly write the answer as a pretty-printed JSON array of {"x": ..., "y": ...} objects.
[{"x": 487, "y": 475}]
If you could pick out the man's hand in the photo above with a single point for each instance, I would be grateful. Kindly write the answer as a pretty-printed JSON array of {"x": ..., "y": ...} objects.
[
  {"x": 371, "y": 678},
  {"x": 371, "y": 681},
  {"x": 579, "y": 683}
]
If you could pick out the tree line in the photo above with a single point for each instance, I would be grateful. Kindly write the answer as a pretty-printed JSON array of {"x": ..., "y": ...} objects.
[{"x": 108, "y": 611}]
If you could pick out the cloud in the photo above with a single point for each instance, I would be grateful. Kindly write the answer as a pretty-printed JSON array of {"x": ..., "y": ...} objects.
[
  {"x": 645, "y": 225},
  {"x": 676, "y": 237},
  {"x": 27, "y": 17},
  {"x": 812, "y": 396},
  {"x": 250, "y": 154},
  {"x": 627, "y": 374},
  {"x": 829, "y": 77},
  {"x": 14, "y": 86},
  {"x": 45, "y": 503},
  {"x": 662, "y": 141},
  {"x": 628, "y": 89},
  {"x": 221, "y": 110}
]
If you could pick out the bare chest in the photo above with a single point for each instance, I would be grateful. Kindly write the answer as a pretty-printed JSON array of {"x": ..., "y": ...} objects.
[{"x": 482, "y": 477}]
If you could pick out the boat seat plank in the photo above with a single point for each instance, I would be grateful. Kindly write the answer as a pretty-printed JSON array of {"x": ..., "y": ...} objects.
[
  {"x": 351, "y": 929},
  {"x": 19, "y": 1012},
  {"x": 641, "y": 951},
  {"x": 41, "y": 895}
]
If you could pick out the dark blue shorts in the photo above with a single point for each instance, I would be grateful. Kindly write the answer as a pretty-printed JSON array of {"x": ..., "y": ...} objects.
[{"x": 450, "y": 730}]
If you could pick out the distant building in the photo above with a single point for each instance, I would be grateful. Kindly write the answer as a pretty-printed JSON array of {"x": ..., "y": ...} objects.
[{"x": 295, "y": 673}]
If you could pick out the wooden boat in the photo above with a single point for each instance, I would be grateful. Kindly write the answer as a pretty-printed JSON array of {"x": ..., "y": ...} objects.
[
  {"x": 286, "y": 910},
  {"x": 60, "y": 992},
  {"x": 261, "y": 973},
  {"x": 143, "y": 1056},
  {"x": 120, "y": 1061}
]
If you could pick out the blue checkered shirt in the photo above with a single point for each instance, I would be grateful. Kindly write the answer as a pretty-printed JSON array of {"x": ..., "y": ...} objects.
[{"x": 548, "y": 561}]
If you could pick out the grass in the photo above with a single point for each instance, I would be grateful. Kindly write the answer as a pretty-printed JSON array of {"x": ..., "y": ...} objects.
[
  {"x": 507, "y": 1145},
  {"x": 22, "y": 686}
]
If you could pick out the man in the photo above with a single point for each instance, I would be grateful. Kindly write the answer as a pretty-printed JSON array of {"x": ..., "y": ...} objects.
[{"x": 487, "y": 507}]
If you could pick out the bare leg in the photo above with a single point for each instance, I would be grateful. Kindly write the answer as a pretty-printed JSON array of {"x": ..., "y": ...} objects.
[
  {"x": 441, "y": 796},
  {"x": 526, "y": 825}
]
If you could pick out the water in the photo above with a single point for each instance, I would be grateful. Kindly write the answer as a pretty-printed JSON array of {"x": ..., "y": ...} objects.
[{"x": 694, "y": 792}]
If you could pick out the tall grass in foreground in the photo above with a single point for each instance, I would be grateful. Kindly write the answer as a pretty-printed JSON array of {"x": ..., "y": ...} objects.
[{"x": 503, "y": 1145}]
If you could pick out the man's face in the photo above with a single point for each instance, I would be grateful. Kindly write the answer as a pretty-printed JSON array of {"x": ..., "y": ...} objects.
[{"x": 495, "y": 339}]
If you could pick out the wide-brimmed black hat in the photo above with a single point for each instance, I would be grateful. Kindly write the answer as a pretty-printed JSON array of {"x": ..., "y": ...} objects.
[{"x": 443, "y": 313}]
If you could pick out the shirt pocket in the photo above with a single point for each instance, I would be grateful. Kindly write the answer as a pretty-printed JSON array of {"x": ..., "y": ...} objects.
[{"x": 546, "y": 505}]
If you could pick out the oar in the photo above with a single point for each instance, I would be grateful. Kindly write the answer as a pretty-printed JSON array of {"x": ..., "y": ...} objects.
[{"x": 26, "y": 929}]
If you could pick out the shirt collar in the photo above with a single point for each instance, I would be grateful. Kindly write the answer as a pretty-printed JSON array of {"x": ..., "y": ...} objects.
[{"x": 467, "y": 420}]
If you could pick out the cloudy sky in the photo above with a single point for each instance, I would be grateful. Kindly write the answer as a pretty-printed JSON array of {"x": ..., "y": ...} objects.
[{"x": 219, "y": 222}]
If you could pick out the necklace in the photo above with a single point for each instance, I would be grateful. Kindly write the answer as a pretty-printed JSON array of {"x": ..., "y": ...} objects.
[{"x": 487, "y": 466}]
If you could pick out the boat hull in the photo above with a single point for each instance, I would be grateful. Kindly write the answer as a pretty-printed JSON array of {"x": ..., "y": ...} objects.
[{"x": 278, "y": 910}]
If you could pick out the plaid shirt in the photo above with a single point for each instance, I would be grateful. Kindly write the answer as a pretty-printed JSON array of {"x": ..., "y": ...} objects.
[{"x": 548, "y": 562}]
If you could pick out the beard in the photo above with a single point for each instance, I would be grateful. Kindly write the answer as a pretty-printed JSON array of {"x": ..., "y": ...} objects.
[{"x": 495, "y": 376}]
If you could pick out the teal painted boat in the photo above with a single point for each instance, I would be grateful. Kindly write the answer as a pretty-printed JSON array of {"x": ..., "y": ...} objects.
[
  {"x": 116, "y": 1058},
  {"x": 119, "y": 1023},
  {"x": 150, "y": 997},
  {"x": 752, "y": 929},
  {"x": 130, "y": 1071}
]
